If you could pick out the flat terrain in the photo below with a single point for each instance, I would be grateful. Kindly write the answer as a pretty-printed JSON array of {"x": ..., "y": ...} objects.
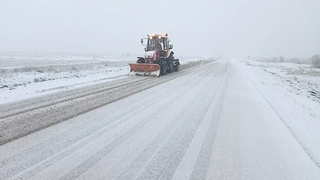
[{"x": 216, "y": 121}]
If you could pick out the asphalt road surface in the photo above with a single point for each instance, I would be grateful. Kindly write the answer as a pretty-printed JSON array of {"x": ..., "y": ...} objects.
[{"x": 210, "y": 123}]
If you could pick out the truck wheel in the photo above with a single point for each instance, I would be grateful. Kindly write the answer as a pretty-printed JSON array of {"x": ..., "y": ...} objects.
[
  {"x": 163, "y": 66},
  {"x": 176, "y": 65},
  {"x": 171, "y": 65}
]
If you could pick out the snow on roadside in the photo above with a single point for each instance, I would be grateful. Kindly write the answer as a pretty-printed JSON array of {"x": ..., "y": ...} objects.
[
  {"x": 292, "y": 91},
  {"x": 24, "y": 76},
  {"x": 28, "y": 76},
  {"x": 301, "y": 78}
]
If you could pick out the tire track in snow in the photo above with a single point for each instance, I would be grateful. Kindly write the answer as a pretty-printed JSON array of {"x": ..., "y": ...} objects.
[
  {"x": 50, "y": 156},
  {"x": 26, "y": 106},
  {"x": 32, "y": 166},
  {"x": 139, "y": 163},
  {"x": 90, "y": 162},
  {"x": 164, "y": 162},
  {"x": 28, "y": 117},
  {"x": 209, "y": 124},
  {"x": 202, "y": 163},
  {"x": 130, "y": 149}
]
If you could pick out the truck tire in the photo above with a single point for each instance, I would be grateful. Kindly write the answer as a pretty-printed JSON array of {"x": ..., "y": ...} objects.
[{"x": 163, "y": 66}]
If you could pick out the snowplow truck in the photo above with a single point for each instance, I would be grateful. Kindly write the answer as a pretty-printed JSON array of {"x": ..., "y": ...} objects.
[{"x": 158, "y": 59}]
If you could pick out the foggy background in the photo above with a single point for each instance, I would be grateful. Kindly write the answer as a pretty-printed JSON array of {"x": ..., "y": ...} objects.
[{"x": 206, "y": 28}]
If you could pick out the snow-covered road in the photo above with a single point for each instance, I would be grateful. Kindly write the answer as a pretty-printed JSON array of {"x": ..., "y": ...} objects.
[{"x": 212, "y": 123}]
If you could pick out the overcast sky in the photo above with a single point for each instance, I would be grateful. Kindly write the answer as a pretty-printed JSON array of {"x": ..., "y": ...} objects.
[{"x": 211, "y": 28}]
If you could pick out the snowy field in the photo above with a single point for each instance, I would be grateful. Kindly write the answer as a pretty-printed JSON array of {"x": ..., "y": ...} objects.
[
  {"x": 26, "y": 76},
  {"x": 299, "y": 79}
]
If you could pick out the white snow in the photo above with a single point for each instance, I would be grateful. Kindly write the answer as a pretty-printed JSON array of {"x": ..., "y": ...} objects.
[
  {"x": 229, "y": 119},
  {"x": 293, "y": 92},
  {"x": 290, "y": 90},
  {"x": 24, "y": 76}
]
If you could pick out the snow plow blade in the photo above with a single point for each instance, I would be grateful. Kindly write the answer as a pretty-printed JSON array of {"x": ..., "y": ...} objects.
[{"x": 144, "y": 69}]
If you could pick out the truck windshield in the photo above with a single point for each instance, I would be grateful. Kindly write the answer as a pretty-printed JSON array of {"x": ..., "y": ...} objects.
[{"x": 155, "y": 44}]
